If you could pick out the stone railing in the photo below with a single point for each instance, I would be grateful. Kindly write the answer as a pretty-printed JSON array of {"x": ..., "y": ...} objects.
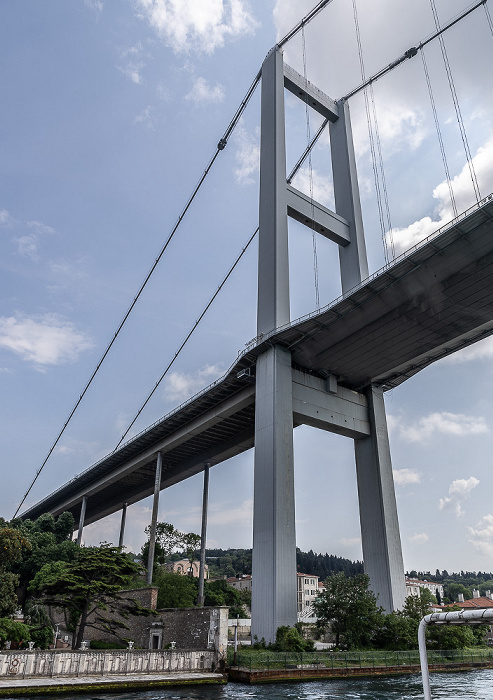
[{"x": 63, "y": 662}]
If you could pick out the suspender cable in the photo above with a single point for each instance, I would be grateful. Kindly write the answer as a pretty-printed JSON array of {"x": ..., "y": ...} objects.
[
  {"x": 370, "y": 135},
  {"x": 306, "y": 19},
  {"x": 410, "y": 53},
  {"x": 220, "y": 146},
  {"x": 488, "y": 17},
  {"x": 187, "y": 337},
  {"x": 310, "y": 172},
  {"x": 439, "y": 133},
  {"x": 389, "y": 233},
  {"x": 455, "y": 99}
]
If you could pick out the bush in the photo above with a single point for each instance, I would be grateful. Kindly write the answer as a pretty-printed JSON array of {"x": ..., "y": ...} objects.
[{"x": 100, "y": 644}]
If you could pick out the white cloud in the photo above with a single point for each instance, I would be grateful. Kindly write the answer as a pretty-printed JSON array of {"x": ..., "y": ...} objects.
[
  {"x": 464, "y": 197},
  {"x": 351, "y": 541},
  {"x": 404, "y": 477},
  {"x": 44, "y": 340},
  {"x": 203, "y": 25},
  {"x": 462, "y": 487},
  {"x": 202, "y": 91},
  {"x": 419, "y": 538},
  {"x": 5, "y": 218},
  {"x": 133, "y": 63},
  {"x": 180, "y": 386},
  {"x": 458, "y": 491},
  {"x": 442, "y": 423},
  {"x": 482, "y": 536},
  {"x": 28, "y": 244},
  {"x": 96, "y": 5},
  {"x": 482, "y": 350},
  {"x": 146, "y": 118},
  {"x": 247, "y": 155},
  {"x": 321, "y": 186}
]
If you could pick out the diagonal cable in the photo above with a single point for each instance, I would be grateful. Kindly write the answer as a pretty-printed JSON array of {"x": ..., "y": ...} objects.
[{"x": 187, "y": 337}]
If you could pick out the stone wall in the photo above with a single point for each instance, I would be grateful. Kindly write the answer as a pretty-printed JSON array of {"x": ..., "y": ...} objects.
[
  {"x": 29, "y": 664},
  {"x": 190, "y": 628}
]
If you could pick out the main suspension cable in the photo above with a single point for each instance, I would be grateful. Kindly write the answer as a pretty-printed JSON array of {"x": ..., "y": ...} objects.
[
  {"x": 220, "y": 146},
  {"x": 187, "y": 337},
  {"x": 410, "y": 53},
  {"x": 306, "y": 19}
]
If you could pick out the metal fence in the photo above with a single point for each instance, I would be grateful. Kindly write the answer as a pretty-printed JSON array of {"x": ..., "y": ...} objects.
[{"x": 267, "y": 660}]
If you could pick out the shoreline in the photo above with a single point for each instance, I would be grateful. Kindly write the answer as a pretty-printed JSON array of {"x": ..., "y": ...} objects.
[
  {"x": 303, "y": 674},
  {"x": 107, "y": 684}
]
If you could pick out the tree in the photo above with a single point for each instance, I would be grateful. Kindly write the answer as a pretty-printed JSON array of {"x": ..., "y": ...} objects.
[
  {"x": 349, "y": 609},
  {"x": 13, "y": 631},
  {"x": 92, "y": 583},
  {"x": 49, "y": 541},
  {"x": 13, "y": 544},
  {"x": 167, "y": 539},
  {"x": 190, "y": 542},
  {"x": 175, "y": 590},
  {"x": 290, "y": 639}
]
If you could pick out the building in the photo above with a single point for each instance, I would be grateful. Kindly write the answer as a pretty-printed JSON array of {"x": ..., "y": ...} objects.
[
  {"x": 186, "y": 568},
  {"x": 308, "y": 589},
  {"x": 241, "y": 583},
  {"x": 476, "y": 602},
  {"x": 414, "y": 587}
]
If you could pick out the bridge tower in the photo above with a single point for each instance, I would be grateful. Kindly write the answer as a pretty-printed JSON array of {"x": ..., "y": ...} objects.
[{"x": 274, "y": 597}]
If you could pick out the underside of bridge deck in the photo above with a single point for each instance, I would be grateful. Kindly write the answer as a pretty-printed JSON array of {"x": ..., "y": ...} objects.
[{"x": 434, "y": 300}]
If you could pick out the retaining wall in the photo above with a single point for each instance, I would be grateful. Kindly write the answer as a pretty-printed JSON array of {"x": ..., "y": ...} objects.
[{"x": 64, "y": 662}]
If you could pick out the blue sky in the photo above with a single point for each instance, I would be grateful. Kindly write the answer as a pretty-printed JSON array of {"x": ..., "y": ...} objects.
[{"x": 110, "y": 112}]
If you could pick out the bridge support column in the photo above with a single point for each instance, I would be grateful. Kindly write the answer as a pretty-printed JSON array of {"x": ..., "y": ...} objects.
[
  {"x": 382, "y": 554},
  {"x": 122, "y": 525},
  {"x": 155, "y": 508},
  {"x": 352, "y": 258},
  {"x": 81, "y": 519},
  {"x": 203, "y": 535},
  {"x": 274, "y": 538}
]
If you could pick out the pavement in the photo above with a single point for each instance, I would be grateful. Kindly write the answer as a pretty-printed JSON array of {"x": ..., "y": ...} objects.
[{"x": 12, "y": 687}]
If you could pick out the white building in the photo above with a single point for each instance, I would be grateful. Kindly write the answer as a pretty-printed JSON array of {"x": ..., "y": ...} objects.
[
  {"x": 308, "y": 589},
  {"x": 414, "y": 587},
  {"x": 241, "y": 583}
]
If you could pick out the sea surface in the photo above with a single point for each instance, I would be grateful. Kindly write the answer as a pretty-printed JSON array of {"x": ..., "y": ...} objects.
[{"x": 477, "y": 685}]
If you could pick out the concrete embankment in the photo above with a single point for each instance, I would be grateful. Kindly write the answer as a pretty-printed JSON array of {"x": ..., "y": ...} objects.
[
  {"x": 312, "y": 673},
  {"x": 16, "y": 687}
]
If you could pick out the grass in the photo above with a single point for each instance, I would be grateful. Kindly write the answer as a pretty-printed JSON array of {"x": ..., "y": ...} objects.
[{"x": 253, "y": 659}]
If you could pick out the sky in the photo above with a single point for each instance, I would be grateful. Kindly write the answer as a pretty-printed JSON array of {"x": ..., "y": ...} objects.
[{"x": 110, "y": 112}]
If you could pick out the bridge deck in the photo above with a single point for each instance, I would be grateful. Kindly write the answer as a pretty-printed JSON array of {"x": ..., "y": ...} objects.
[{"x": 432, "y": 301}]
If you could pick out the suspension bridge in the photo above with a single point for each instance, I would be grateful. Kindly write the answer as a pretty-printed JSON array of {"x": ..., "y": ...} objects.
[{"x": 329, "y": 369}]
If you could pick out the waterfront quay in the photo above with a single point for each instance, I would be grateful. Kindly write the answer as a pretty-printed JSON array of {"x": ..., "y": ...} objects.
[{"x": 272, "y": 667}]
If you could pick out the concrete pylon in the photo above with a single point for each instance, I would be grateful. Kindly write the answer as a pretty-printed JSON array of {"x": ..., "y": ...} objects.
[
  {"x": 274, "y": 594},
  {"x": 274, "y": 538},
  {"x": 382, "y": 552}
]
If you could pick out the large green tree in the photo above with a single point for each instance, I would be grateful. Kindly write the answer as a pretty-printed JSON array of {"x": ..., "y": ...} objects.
[
  {"x": 89, "y": 590},
  {"x": 13, "y": 546},
  {"x": 349, "y": 609}
]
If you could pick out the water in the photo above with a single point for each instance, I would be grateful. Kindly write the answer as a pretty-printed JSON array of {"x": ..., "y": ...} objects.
[{"x": 476, "y": 685}]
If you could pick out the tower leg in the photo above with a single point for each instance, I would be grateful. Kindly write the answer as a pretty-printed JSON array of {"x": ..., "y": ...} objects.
[
  {"x": 382, "y": 554},
  {"x": 82, "y": 519},
  {"x": 122, "y": 525},
  {"x": 155, "y": 509},
  {"x": 274, "y": 539}
]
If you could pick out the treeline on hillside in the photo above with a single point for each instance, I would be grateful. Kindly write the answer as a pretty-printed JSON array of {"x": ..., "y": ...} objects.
[
  {"x": 237, "y": 562},
  {"x": 454, "y": 583}
]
